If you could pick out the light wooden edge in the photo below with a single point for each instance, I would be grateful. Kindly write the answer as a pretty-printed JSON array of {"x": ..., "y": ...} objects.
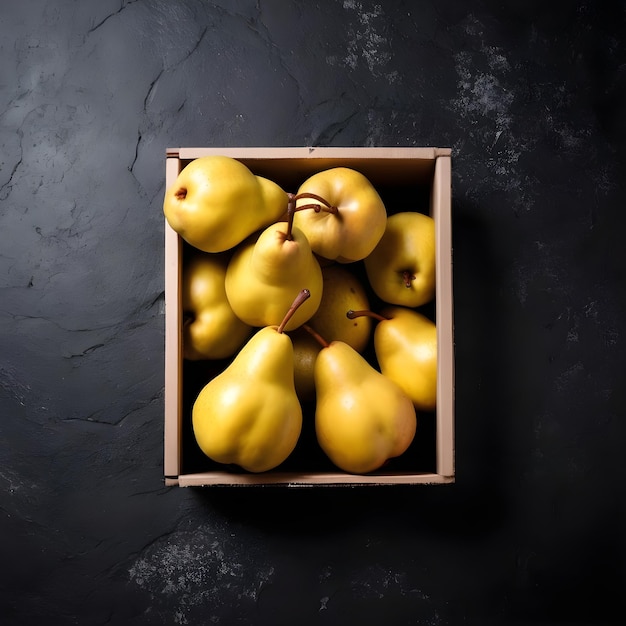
[
  {"x": 305, "y": 480},
  {"x": 441, "y": 208},
  {"x": 173, "y": 344},
  {"x": 312, "y": 152}
]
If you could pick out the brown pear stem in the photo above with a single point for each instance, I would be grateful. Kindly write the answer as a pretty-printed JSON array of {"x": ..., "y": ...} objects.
[
  {"x": 323, "y": 206},
  {"x": 312, "y": 196},
  {"x": 317, "y": 208},
  {"x": 407, "y": 277},
  {"x": 316, "y": 335},
  {"x": 305, "y": 294},
  {"x": 365, "y": 313},
  {"x": 291, "y": 209}
]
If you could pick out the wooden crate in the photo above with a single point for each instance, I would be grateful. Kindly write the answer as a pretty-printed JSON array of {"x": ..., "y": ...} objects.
[{"x": 407, "y": 179}]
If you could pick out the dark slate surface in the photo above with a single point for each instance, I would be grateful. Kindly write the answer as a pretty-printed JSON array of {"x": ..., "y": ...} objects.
[{"x": 529, "y": 95}]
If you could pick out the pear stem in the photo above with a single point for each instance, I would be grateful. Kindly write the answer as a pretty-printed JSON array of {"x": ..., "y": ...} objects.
[
  {"x": 291, "y": 209},
  {"x": 305, "y": 294},
  {"x": 407, "y": 277},
  {"x": 316, "y": 335},
  {"x": 365, "y": 313},
  {"x": 324, "y": 206}
]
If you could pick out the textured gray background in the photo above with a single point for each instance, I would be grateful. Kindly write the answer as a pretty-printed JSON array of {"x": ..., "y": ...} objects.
[{"x": 529, "y": 95}]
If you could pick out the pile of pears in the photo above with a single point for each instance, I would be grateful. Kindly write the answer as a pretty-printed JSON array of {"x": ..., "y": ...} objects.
[{"x": 271, "y": 287}]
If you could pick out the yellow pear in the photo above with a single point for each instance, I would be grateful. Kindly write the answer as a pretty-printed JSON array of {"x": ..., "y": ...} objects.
[
  {"x": 211, "y": 330},
  {"x": 401, "y": 268},
  {"x": 216, "y": 202},
  {"x": 265, "y": 275},
  {"x": 346, "y": 216},
  {"x": 343, "y": 291},
  {"x": 250, "y": 415},
  {"x": 362, "y": 418},
  {"x": 305, "y": 351},
  {"x": 405, "y": 343}
]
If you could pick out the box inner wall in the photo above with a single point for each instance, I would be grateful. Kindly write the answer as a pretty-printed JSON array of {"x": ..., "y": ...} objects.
[{"x": 404, "y": 185}]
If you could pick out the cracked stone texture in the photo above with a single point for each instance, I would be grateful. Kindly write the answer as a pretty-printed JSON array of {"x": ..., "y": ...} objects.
[{"x": 530, "y": 97}]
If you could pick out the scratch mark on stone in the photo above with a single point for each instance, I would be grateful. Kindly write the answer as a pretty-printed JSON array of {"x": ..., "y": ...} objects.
[
  {"x": 151, "y": 89},
  {"x": 93, "y": 418},
  {"x": 123, "y": 5},
  {"x": 6, "y": 188},
  {"x": 86, "y": 351},
  {"x": 200, "y": 39},
  {"x": 328, "y": 134},
  {"x": 132, "y": 165}
]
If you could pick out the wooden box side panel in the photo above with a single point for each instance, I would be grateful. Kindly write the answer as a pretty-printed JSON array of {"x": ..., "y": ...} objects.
[
  {"x": 380, "y": 165},
  {"x": 227, "y": 479},
  {"x": 441, "y": 211},
  {"x": 173, "y": 341}
]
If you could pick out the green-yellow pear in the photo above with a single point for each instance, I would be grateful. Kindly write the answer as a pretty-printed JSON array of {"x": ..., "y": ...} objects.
[
  {"x": 305, "y": 351},
  {"x": 211, "y": 329},
  {"x": 265, "y": 275},
  {"x": 401, "y": 268},
  {"x": 348, "y": 216},
  {"x": 343, "y": 291},
  {"x": 216, "y": 202},
  {"x": 405, "y": 343},
  {"x": 362, "y": 418},
  {"x": 250, "y": 415}
]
